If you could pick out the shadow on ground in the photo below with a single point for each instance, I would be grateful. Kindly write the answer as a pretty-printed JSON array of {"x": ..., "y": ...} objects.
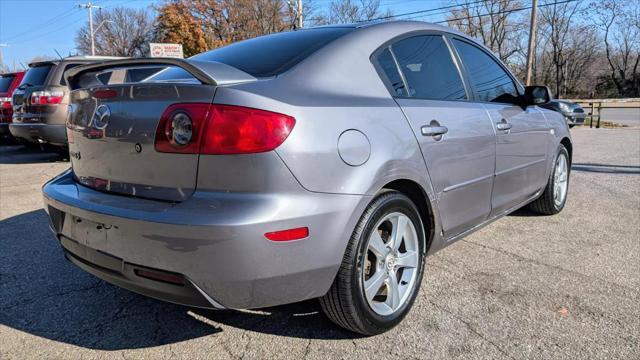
[
  {"x": 45, "y": 295},
  {"x": 605, "y": 168},
  {"x": 20, "y": 154}
]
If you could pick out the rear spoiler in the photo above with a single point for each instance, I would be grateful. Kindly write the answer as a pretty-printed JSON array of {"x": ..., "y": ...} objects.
[{"x": 207, "y": 72}]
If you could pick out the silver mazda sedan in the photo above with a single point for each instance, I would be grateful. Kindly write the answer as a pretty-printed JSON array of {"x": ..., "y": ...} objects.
[{"x": 319, "y": 163}]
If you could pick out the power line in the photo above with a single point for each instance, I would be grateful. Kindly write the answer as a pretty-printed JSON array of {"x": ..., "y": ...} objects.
[
  {"x": 504, "y": 11},
  {"x": 421, "y": 11},
  {"x": 49, "y": 32},
  {"x": 44, "y": 25}
]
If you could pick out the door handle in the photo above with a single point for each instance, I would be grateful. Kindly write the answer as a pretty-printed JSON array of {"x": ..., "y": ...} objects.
[
  {"x": 503, "y": 125},
  {"x": 433, "y": 130}
]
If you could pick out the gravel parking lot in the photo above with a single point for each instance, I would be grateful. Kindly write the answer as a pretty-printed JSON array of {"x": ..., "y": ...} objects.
[{"x": 527, "y": 286}]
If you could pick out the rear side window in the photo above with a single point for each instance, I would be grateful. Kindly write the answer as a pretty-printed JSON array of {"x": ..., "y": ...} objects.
[
  {"x": 172, "y": 74},
  {"x": 119, "y": 75},
  {"x": 5, "y": 82},
  {"x": 428, "y": 68},
  {"x": 390, "y": 72},
  {"x": 36, "y": 75},
  {"x": 273, "y": 54},
  {"x": 490, "y": 80},
  {"x": 70, "y": 66},
  {"x": 139, "y": 74}
]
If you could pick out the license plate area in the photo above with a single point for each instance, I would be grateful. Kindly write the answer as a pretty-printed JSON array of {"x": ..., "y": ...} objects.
[
  {"x": 84, "y": 231},
  {"x": 92, "y": 257}
]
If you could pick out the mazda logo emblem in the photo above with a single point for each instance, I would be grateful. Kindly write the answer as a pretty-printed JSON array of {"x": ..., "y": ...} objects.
[{"x": 101, "y": 117}]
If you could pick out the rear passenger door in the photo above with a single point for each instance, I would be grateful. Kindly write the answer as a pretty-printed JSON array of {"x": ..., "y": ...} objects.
[
  {"x": 523, "y": 135},
  {"x": 456, "y": 136}
]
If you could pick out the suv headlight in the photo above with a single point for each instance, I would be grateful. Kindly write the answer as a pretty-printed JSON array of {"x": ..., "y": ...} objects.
[{"x": 565, "y": 108}]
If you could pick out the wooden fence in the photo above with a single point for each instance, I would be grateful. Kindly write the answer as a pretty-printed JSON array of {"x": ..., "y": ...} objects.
[{"x": 594, "y": 107}]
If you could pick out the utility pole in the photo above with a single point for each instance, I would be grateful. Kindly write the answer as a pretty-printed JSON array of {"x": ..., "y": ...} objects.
[
  {"x": 531, "y": 53},
  {"x": 295, "y": 6},
  {"x": 90, "y": 6},
  {"x": 1, "y": 55}
]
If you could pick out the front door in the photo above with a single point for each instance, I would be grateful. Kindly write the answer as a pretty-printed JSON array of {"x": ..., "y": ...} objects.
[
  {"x": 521, "y": 154},
  {"x": 522, "y": 135},
  {"x": 456, "y": 136}
]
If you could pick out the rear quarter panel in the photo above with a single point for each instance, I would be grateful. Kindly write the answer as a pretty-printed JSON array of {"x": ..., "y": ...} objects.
[{"x": 335, "y": 90}]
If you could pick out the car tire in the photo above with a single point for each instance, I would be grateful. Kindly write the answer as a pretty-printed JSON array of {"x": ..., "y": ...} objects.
[
  {"x": 548, "y": 203},
  {"x": 347, "y": 303}
]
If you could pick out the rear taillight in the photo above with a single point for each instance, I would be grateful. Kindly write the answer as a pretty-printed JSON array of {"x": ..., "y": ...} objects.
[
  {"x": 5, "y": 103},
  {"x": 179, "y": 122},
  {"x": 46, "y": 97},
  {"x": 220, "y": 129},
  {"x": 242, "y": 130}
]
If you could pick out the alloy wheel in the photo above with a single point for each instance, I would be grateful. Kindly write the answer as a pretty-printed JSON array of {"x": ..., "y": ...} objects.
[
  {"x": 560, "y": 180},
  {"x": 391, "y": 264}
]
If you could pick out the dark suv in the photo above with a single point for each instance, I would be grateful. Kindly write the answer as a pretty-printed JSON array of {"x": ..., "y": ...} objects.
[{"x": 40, "y": 102}]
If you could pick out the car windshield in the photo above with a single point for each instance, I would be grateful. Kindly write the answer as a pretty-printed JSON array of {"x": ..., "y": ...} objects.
[
  {"x": 36, "y": 75},
  {"x": 5, "y": 82},
  {"x": 273, "y": 54}
]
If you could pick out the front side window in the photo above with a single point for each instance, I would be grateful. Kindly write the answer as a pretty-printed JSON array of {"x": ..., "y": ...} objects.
[
  {"x": 490, "y": 80},
  {"x": 428, "y": 68}
]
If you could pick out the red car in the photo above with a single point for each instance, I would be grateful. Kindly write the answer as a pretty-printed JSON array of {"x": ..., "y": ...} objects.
[{"x": 8, "y": 83}]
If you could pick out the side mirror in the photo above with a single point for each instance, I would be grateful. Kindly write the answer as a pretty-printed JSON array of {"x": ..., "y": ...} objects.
[{"x": 536, "y": 95}]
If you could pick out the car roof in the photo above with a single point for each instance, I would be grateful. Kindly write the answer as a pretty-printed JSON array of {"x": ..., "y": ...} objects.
[{"x": 398, "y": 25}]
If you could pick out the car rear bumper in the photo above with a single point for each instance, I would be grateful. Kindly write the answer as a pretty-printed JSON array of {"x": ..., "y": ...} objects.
[
  {"x": 215, "y": 241},
  {"x": 40, "y": 132}
]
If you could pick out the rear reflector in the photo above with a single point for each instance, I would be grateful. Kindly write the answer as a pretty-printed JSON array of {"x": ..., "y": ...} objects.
[
  {"x": 221, "y": 129},
  {"x": 288, "y": 235}
]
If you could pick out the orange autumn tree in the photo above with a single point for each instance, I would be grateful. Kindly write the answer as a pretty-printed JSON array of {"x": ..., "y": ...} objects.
[
  {"x": 201, "y": 25},
  {"x": 176, "y": 24}
]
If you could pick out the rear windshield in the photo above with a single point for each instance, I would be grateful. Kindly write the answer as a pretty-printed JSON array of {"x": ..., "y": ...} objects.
[
  {"x": 5, "y": 82},
  {"x": 36, "y": 75},
  {"x": 273, "y": 54}
]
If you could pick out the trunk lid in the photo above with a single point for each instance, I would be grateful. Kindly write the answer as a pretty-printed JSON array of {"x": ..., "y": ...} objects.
[
  {"x": 111, "y": 141},
  {"x": 111, "y": 137}
]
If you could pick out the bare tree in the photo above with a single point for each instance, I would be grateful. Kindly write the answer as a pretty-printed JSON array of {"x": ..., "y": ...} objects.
[
  {"x": 556, "y": 21},
  {"x": 118, "y": 32},
  {"x": 494, "y": 22},
  {"x": 620, "y": 24},
  {"x": 351, "y": 11}
]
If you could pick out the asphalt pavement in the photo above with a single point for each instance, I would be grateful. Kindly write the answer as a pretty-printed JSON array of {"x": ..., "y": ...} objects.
[{"x": 527, "y": 286}]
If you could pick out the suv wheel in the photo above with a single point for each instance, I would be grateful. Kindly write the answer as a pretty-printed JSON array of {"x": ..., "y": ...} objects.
[{"x": 382, "y": 268}]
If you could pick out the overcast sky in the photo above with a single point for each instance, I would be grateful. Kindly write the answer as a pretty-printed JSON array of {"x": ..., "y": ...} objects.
[{"x": 32, "y": 28}]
